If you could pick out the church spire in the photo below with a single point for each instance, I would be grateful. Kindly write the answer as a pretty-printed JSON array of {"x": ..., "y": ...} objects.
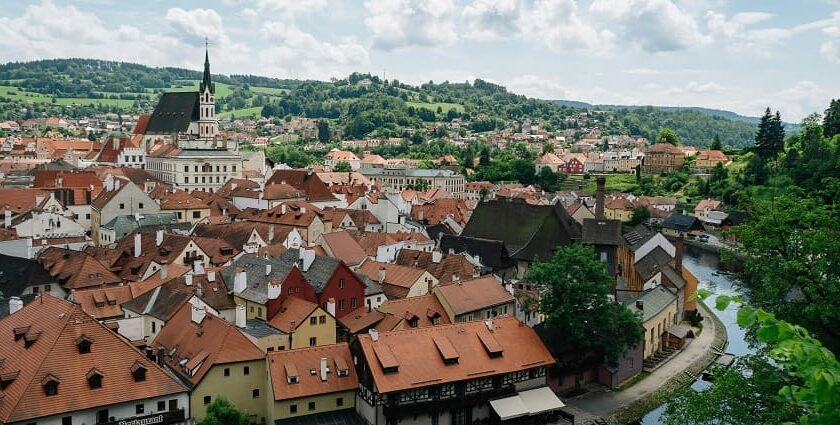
[{"x": 206, "y": 81}]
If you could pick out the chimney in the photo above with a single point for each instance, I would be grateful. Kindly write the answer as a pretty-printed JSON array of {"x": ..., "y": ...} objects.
[
  {"x": 211, "y": 276},
  {"x": 489, "y": 324},
  {"x": 324, "y": 369},
  {"x": 282, "y": 208},
  {"x": 240, "y": 281},
  {"x": 150, "y": 353},
  {"x": 164, "y": 271},
  {"x": 275, "y": 288},
  {"x": 678, "y": 255},
  {"x": 7, "y": 219},
  {"x": 601, "y": 182},
  {"x": 381, "y": 274},
  {"x": 240, "y": 316},
  {"x": 188, "y": 279},
  {"x": 270, "y": 234},
  {"x": 420, "y": 214},
  {"x": 640, "y": 305},
  {"x": 15, "y": 304},
  {"x": 159, "y": 237},
  {"x": 198, "y": 313},
  {"x": 109, "y": 183},
  {"x": 267, "y": 269},
  {"x": 137, "y": 245},
  {"x": 509, "y": 288},
  {"x": 198, "y": 267},
  {"x": 116, "y": 184},
  {"x": 437, "y": 256},
  {"x": 331, "y": 307},
  {"x": 160, "y": 354},
  {"x": 374, "y": 334}
]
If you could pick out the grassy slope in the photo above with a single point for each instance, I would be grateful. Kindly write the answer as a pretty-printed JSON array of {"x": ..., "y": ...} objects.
[{"x": 433, "y": 106}]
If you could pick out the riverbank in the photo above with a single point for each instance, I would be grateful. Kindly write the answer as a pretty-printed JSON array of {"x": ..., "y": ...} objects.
[{"x": 631, "y": 403}]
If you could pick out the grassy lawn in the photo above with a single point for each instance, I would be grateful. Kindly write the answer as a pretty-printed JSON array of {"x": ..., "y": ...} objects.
[
  {"x": 16, "y": 93},
  {"x": 123, "y": 103},
  {"x": 244, "y": 112},
  {"x": 445, "y": 107},
  {"x": 222, "y": 89},
  {"x": 615, "y": 183},
  {"x": 271, "y": 91}
]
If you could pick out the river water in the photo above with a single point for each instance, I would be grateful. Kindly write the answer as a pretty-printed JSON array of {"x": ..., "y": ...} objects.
[{"x": 706, "y": 266}]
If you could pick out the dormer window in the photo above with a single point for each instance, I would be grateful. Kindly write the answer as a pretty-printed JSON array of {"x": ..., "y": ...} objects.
[
  {"x": 20, "y": 332},
  {"x": 30, "y": 339},
  {"x": 94, "y": 378},
  {"x": 83, "y": 343},
  {"x": 139, "y": 372},
  {"x": 6, "y": 379},
  {"x": 413, "y": 322},
  {"x": 50, "y": 384}
]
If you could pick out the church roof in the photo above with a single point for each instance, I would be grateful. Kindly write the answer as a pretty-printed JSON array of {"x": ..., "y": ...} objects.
[{"x": 174, "y": 113}]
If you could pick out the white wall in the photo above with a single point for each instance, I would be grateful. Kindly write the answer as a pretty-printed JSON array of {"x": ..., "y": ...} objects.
[{"x": 119, "y": 411}]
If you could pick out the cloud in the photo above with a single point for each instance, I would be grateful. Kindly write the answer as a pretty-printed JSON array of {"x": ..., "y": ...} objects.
[
  {"x": 538, "y": 87},
  {"x": 398, "y": 24},
  {"x": 297, "y": 53},
  {"x": 710, "y": 87},
  {"x": 830, "y": 48},
  {"x": 558, "y": 24},
  {"x": 283, "y": 9},
  {"x": 491, "y": 20},
  {"x": 248, "y": 13},
  {"x": 641, "y": 71},
  {"x": 196, "y": 24},
  {"x": 652, "y": 25}
]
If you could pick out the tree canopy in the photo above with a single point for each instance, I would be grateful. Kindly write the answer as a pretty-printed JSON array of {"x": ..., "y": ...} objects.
[{"x": 222, "y": 412}]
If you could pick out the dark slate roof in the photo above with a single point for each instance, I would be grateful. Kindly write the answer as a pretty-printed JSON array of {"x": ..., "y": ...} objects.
[
  {"x": 528, "y": 231},
  {"x": 159, "y": 303},
  {"x": 735, "y": 218},
  {"x": 637, "y": 236},
  {"x": 670, "y": 275},
  {"x": 653, "y": 301},
  {"x": 436, "y": 230},
  {"x": 17, "y": 273},
  {"x": 258, "y": 328},
  {"x": 335, "y": 417},
  {"x": 682, "y": 222},
  {"x": 173, "y": 113},
  {"x": 491, "y": 253},
  {"x": 371, "y": 286},
  {"x": 602, "y": 232},
  {"x": 652, "y": 263}
]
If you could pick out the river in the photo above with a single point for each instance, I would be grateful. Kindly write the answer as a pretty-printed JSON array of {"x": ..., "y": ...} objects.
[{"x": 704, "y": 265}]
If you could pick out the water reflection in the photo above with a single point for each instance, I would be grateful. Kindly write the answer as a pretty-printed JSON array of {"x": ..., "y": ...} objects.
[{"x": 706, "y": 266}]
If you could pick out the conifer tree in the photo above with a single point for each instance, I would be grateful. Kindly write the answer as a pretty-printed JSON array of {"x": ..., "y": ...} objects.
[{"x": 831, "y": 121}]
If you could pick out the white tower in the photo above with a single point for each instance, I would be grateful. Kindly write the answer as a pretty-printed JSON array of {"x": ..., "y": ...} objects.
[{"x": 208, "y": 125}]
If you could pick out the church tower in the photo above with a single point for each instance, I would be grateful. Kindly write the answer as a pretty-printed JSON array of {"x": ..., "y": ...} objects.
[{"x": 208, "y": 125}]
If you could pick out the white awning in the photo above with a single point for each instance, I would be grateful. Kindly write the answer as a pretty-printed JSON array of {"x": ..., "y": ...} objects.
[{"x": 526, "y": 403}]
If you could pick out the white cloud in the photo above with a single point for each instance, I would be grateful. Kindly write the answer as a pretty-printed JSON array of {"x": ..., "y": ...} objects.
[
  {"x": 491, "y": 19},
  {"x": 283, "y": 9},
  {"x": 830, "y": 48},
  {"x": 298, "y": 53},
  {"x": 196, "y": 24},
  {"x": 248, "y": 13},
  {"x": 652, "y": 25},
  {"x": 538, "y": 87},
  {"x": 709, "y": 87},
  {"x": 641, "y": 71},
  {"x": 558, "y": 24},
  {"x": 397, "y": 24}
]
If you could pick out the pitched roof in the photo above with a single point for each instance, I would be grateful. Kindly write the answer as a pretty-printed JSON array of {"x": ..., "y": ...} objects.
[
  {"x": 442, "y": 270},
  {"x": 103, "y": 303},
  {"x": 438, "y": 210},
  {"x": 173, "y": 113},
  {"x": 402, "y": 276},
  {"x": 293, "y": 312},
  {"x": 707, "y": 204},
  {"x": 602, "y": 232},
  {"x": 424, "y": 309},
  {"x": 665, "y": 148},
  {"x": 181, "y": 200},
  {"x": 475, "y": 294},
  {"x": 682, "y": 223},
  {"x": 491, "y": 253},
  {"x": 17, "y": 273},
  {"x": 652, "y": 263},
  {"x": 653, "y": 301},
  {"x": 304, "y": 180},
  {"x": 76, "y": 269},
  {"x": 20, "y": 200},
  {"x": 53, "y": 327},
  {"x": 283, "y": 365},
  {"x": 342, "y": 246},
  {"x": 370, "y": 241},
  {"x": 712, "y": 155},
  {"x": 419, "y": 363},
  {"x": 164, "y": 301},
  {"x": 218, "y": 341}
]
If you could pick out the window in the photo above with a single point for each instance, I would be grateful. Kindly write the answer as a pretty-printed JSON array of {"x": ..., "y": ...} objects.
[
  {"x": 339, "y": 401},
  {"x": 227, "y": 371},
  {"x": 352, "y": 303},
  {"x": 341, "y": 305},
  {"x": 140, "y": 408},
  {"x": 186, "y": 168},
  {"x": 341, "y": 283},
  {"x": 255, "y": 393},
  {"x": 292, "y": 409},
  {"x": 122, "y": 206},
  {"x": 206, "y": 400},
  {"x": 322, "y": 319},
  {"x": 259, "y": 311},
  {"x": 67, "y": 420},
  {"x": 311, "y": 406},
  {"x": 313, "y": 320},
  {"x": 154, "y": 327},
  {"x": 141, "y": 205},
  {"x": 246, "y": 370},
  {"x": 51, "y": 388},
  {"x": 179, "y": 215},
  {"x": 173, "y": 404},
  {"x": 234, "y": 168},
  {"x": 161, "y": 406},
  {"x": 102, "y": 416},
  {"x": 94, "y": 380},
  {"x": 313, "y": 341}
]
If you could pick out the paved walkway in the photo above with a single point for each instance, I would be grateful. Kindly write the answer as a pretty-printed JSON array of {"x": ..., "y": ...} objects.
[{"x": 603, "y": 402}]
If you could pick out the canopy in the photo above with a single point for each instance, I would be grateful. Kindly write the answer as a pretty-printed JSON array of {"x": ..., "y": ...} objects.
[{"x": 526, "y": 403}]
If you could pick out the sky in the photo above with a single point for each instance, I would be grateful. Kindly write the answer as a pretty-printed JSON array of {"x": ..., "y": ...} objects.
[{"x": 734, "y": 55}]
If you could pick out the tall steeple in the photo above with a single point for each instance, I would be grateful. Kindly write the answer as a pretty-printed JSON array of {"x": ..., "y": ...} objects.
[{"x": 205, "y": 82}]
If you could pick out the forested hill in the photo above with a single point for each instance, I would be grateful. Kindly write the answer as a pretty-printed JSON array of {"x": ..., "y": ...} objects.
[{"x": 361, "y": 105}]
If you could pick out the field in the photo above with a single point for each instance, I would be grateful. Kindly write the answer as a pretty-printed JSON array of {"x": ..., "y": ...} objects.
[
  {"x": 445, "y": 107},
  {"x": 222, "y": 89},
  {"x": 615, "y": 183},
  {"x": 244, "y": 112},
  {"x": 270, "y": 91},
  {"x": 122, "y": 103},
  {"x": 15, "y": 93}
]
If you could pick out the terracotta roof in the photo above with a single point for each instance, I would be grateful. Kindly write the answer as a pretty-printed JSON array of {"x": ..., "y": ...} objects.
[
  {"x": 103, "y": 303},
  {"x": 712, "y": 155},
  {"x": 550, "y": 158},
  {"x": 110, "y": 153},
  {"x": 665, "y": 148},
  {"x": 361, "y": 319},
  {"x": 49, "y": 179},
  {"x": 402, "y": 276},
  {"x": 306, "y": 181},
  {"x": 142, "y": 122},
  {"x": 293, "y": 312},
  {"x": 181, "y": 200},
  {"x": 238, "y": 233},
  {"x": 472, "y": 295},
  {"x": 341, "y": 155},
  {"x": 370, "y": 241},
  {"x": 441, "y": 208},
  {"x": 342, "y": 246},
  {"x": 164, "y": 301},
  {"x": 58, "y": 326},
  {"x": 215, "y": 339},
  {"x": 20, "y": 200},
  {"x": 283, "y": 365},
  {"x": 373, "y": 159},
  {"x": 278, "y": 191},
  {"x": 419, "y": 363},
  {"x": 298, "y": 214},
  {"x": 424, "y": 309},
  {"x": 443, "y": 270},
  {"x": 76, "y": 269},
  {"x": 710, "y": 204}
]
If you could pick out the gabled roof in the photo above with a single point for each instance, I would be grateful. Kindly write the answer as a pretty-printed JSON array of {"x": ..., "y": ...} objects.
[
  {"x": 472, "y": 295},
  {"x": 164, "y": 301},
  {"x": 402, "y": 276},
  {"x": 283, "y": 365},
  {"x": 218, "y": 341},
  {"x": 103, "y": 303},
  {"x": 173, "y": 113},
  {"x": 652, "y": 263},
  {"x": 370, "y": 241},
  {"x": 342, "y": 246},
  {"x": 20, "y": 200},
  {"x": 491, "y": 253},
  {"x": 653, "y": 301},
  {"x": 682, "y": 223},
  {"x": 425, "y": 309},
  {"x": 58, "y": 325},
  {"x": 17, "y": 273},
  {"x": 76, "y": 269},
  {"x": 304, "y": 180},
  {"x": 707, "y": 204},
  {"x": 293, "y": 313},
  {"x": 664, "y": 148},
  {"x": 602, "y": 232},
  {"x": 181, "y": 200},
  {"x": 441, "y": 270},
  {"x": 415, "y": 355}
]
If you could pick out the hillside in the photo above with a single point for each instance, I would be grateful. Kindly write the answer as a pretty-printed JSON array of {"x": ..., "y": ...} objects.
[{"x": 361, "y": 105}]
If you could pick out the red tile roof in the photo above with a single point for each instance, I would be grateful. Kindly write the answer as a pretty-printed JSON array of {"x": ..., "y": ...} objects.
[
  {"x": 306, "y": 181},
  {"x": 341, "y": 245},
  {"x": 282, "y": 365},
  {"x": 475, "y": 294}
]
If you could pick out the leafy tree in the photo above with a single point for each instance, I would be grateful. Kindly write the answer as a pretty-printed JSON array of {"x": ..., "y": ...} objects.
[
  {"x": 641, "y": 214},
  {"x": 577, "y": 307},
  {"x": 547, "y": 179},
  {"x": 548, "y": 147},
  {"x": 323, "y": 131},
  {"x": 342, "y": 167},
  {"x": 667, "y": 135},
  {"x": 484, "y": 157},
  {"x": 831, "y": 120},
  {"x": 222, "y": 412},
  {"x": 716, "y": 144}
]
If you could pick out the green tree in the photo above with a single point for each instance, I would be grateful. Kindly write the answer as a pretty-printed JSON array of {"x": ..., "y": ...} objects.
[
  {"x": 667, "y": 135},
  {"x": 831, "y": 120},
  {"x": 342, "y": 167},
  {"x": 641, "y": 214},
  {"x": 547, "y": 179},
  {"x": 548, "y": 147},
  {"x": 716, "y": 144},
  {"x": 323, "y": 131},
  {"x": 578, "y": 310},
  {"x": 770, "y": 136},
  {"x": 222, "y": 412}
]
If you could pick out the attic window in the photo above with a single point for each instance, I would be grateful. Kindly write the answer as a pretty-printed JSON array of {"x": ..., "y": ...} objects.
[
  {"x": 491, "y": 345},
  {"x": 20, "y": 332},
  {"x": 50, "y": 384},
  {"x": 7, "y": 378},
  {"x": 94, "y": 378},
  {"x": 446, "y": 349},
  {"x": 139, "y": 372},
  {"x": 292, "y": 376},
  {"x": 83, "y": 343},
  {"x": 30, "y": 339},
  {"x": 386, "y": 358},
  {"x": 341, "y": 367},
  {"x": 227, "y": 250}
]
